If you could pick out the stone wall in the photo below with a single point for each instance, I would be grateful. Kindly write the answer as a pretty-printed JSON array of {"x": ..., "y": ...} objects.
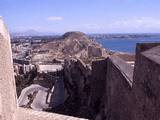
[
  {"x": 85, "y": 88},
  {"x": 7, "y": 84},
  {"x": 76, "y": 76},
  {"x": 146, "y": 85},
  {"x": 97, "y": 86},
  {"x": 106, "y": 93},
  {"x": 140, "y": 47},
  {"x": 111, "y": 92},
  {"x": 118, "y": 90}
]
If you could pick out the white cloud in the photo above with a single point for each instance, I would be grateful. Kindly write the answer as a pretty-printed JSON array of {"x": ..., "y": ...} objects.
[
  {"x": 143, "y": 22},
  {"x": 54, "y": 18}
]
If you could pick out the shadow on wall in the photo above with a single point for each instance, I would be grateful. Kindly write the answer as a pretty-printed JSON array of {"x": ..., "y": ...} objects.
[
  {"x": 114, "y": 90},
  {"x": 134, "y": 95}
]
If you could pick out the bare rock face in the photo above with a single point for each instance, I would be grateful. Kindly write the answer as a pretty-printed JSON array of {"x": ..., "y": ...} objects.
[
  {"x": 74, "y": 34},
  {"x": 76, "y": 76},
  {"x": 94, "y": 51},
  {"x": 7, "y": 84},
  {"x": 85, "y": 88}
]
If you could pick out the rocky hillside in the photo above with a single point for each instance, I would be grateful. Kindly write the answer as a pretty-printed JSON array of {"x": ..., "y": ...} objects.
[{"x": 71, "y": 44}]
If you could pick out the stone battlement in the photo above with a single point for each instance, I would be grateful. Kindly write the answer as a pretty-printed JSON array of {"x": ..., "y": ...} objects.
[
  {"x": 133, "y": 93},
  {"x": 115, "y": 90}
]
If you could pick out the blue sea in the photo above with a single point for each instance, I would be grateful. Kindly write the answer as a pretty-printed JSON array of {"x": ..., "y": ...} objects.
[{"x": 125, "y": 44}]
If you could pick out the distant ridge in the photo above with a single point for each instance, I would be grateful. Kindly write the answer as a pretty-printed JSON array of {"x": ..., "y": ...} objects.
[{"x": 31, "y": 32}]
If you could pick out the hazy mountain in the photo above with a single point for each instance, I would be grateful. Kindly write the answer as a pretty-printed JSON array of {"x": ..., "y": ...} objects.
[{"x": 31, "y": 32}]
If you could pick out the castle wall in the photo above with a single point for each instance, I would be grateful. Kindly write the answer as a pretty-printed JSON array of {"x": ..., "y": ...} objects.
[
  {"x": 98, "y": 85},
  {"x": 118, "y": 105},
  {"x": 146, "y": 85},
  {"x": 107, "y": 92},
  {"x": 141, "y": 47},
  {"x": 8, "y": 104}
]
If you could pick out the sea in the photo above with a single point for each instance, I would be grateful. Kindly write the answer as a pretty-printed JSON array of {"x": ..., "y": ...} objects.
[{"x": 125, "y": 44}]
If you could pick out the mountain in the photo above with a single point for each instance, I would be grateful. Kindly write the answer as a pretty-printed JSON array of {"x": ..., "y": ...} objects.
[
  {"x": 71, "y": 44},
  {"x": 31, "y": 32}
]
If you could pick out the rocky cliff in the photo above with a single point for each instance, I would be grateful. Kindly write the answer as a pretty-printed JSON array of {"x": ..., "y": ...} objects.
[
  {"x": 71, "y": 44},
  {"x": 85, "y": 88}
]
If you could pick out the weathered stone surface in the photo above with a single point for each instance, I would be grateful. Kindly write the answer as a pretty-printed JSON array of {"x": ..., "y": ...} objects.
[
  {"x": 98, "y": 102},
  {"x": 98, "y": 86},
  {"x": 94, "y": 51},
  {"x": 140, "y": 47},
  {"x": 146, "y": 85},
  {"x": 119, "y": 101},
  {"x": 76, "y": 75},
  {"x": 7, "y": 83},
  {"x": 71, "y": 44},
  {"x": 32, "y": 90}
]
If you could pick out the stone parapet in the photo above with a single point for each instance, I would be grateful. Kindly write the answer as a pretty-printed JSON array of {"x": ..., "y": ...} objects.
[{"x": 146, "y": 85}]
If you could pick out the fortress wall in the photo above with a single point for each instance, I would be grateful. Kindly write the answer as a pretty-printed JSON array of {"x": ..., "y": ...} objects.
[
  {"x": 76, "y": 75},
  {"x": 8, "y": 102},
  {"x": 119, "y": 77},
  {"x": 97, "y": 84},
  {"x": 141, "y": 47},
  {"x": 146, "y": 85}
]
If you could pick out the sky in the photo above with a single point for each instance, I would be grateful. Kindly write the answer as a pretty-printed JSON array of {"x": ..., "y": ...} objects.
[{"x": 89, "y": 16}]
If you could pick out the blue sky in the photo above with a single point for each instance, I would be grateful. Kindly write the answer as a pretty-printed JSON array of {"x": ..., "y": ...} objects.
[{"x": 90, "y": 16}]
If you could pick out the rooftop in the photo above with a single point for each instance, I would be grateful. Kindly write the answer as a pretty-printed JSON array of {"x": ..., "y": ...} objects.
[{"x": 49, "y": 68}]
